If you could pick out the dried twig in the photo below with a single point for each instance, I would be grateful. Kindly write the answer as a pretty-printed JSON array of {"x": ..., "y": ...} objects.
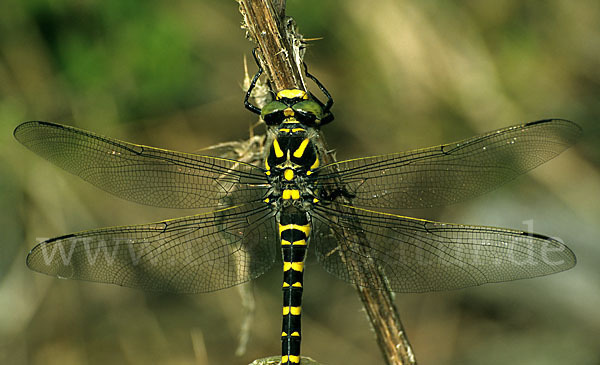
[
  {"x": 268, "y": 31},
  {"x": 281, "y": 60}
]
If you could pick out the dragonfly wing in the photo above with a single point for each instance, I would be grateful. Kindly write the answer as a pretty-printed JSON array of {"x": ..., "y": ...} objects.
[
  {"x": 143, "y": 174},
  {"x": 194, "y": 254},
  {"x": 452, "y": 172},
  {"x": 420, "y": 256}
]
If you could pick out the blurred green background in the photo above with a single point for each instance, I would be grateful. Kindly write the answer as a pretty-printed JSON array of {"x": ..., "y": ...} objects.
[{"x": 404, "y": 74}]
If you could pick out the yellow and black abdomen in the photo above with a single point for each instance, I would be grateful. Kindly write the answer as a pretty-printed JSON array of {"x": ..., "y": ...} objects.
[
  {"x": 294, "y": 230},
  {"x": 290, "y": 160}
]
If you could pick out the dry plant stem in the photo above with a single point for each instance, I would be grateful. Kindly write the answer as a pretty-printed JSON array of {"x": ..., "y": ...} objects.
[
  {"x": 385, "y": 320},
  {"x": 265, "y": 27}
]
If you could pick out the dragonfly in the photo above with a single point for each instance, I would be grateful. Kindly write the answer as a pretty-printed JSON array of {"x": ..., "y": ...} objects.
[{"x": 272, "y": 211}]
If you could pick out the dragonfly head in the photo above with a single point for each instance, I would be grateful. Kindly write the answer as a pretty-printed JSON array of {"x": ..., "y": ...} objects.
[{"x": 292, "y": 105}]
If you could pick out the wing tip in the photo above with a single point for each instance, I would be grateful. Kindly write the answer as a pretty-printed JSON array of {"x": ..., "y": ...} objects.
[
  {"x": 18, "y": 133},
  {"x": 569, "y": 258},
  {"x": 572, "y": 126},
  {"x": 21, "y": 127}
]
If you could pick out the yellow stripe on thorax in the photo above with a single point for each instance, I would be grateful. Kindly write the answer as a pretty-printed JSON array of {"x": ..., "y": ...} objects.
[
  {"x": 277, "y": 148},
  {"x": 300, "y": 151},
  {"x": 316, "y": 164}
]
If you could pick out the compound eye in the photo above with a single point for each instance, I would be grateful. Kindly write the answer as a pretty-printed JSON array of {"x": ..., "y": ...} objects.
[
  {"x": 272, "y": 113},
  {"x": 308, "y": 112}
]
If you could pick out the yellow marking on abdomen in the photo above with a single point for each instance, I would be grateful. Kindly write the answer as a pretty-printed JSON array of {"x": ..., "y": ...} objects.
[
  {"x": 304, "y": 229},
  {"x": 298, "y": 130},
  {"x": 294, "y": 310},
  {"x": 300, "y": 151},
  {"x": 290, "y": 194},
  {"x": 295, "y": 243},
  {"x": 299, "y": 243},
  {"x": 296, "y": 266},
  {"x": 277, "y": 148},
  {"x": 291, "y": 358},
  {"x": 295, "y": 333},
  {"x": 297, "y": 284}
]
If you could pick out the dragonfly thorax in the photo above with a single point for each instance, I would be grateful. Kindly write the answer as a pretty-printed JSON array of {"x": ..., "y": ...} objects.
[
  {"x": 289, "y": 162},
  {"x": 291, "y": 147}
]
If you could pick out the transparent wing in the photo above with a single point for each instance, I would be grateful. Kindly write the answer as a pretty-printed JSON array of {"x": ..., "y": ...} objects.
[
  {"x": 452, "y": 172},
  {"x": 420, "y": 256},
  {"x": 193, "y": 254},
  {"x": 143, "y": 174}
]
